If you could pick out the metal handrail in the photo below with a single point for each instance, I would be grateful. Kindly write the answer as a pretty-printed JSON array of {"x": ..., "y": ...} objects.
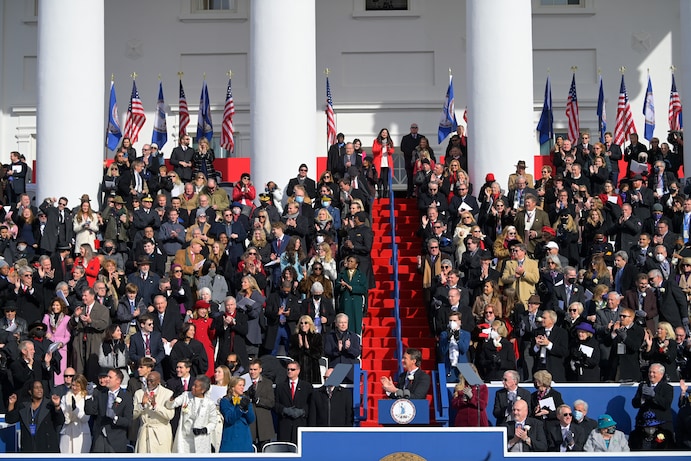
[
  {"x": 396, "y": 287},
  {"x": 440, "y": 395}
]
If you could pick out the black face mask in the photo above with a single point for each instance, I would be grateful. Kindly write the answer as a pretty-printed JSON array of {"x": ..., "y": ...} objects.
[
  {"x": 571, "y": 280},
  {"x": 108, "y": 249},
  {"x": 611, "y": 430},
  {"x": 284, "y": 294},
  {"x": 317, "y": 297}
]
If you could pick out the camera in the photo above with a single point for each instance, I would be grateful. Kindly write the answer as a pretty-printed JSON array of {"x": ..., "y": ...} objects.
[{"x": 675, "y": 136}]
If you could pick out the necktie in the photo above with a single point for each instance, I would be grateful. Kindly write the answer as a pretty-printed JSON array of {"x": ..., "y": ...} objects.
[
  {"x": 160, "y": 319},
  {"x": 184, "y": 384},
  {"x": 254, "y": 382},
  {"x": 62, "y": 217},
  {"x": 292, "y": 389},
  {"x": 147, "y": 344},
  {"x": 111, "y": 399}
]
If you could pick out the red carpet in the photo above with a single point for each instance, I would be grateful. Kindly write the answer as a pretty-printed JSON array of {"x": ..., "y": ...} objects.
[{"x": 379, "y": 342}]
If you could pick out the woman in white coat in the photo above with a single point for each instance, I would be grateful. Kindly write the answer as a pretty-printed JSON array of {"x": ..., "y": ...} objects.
[
  {"x": 198, "y": 418},
  {"x": 75, "y": 436},
  {"x": 85, "y": 224}
]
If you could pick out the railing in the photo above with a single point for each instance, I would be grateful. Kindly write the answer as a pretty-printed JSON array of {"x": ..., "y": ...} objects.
[
  {"x": 440, "y": 395},
  {"x": 360, "y": 394},
  {"x": 396, "y": 288}
]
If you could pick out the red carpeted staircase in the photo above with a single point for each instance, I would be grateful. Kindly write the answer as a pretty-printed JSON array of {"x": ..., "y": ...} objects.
[{"x": 379, "y": 340}]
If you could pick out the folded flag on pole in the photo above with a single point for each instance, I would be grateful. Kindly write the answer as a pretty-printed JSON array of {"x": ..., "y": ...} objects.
[
  {"x": 546, "y": 126},
  {"x": 160, "y": 134},
  {"x": 330, "y": 116},
  {"x": 205, "y": 128},
  {"x": 184, "y": 112},
  {"x": 227, "y": 139},
  {"x": 448, "y": 122},
  {"x": 675, "y": 121},
  {"x": 572, "y": 112},
  {"x": 113, "y": 135},
  {"x": 601, "y": 116},
  {"x": 649, "y": 111},
  {"x": 135, "y": 115}
]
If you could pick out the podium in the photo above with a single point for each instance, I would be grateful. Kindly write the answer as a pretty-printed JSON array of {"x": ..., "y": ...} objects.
[{"x": 401, "y": 412}]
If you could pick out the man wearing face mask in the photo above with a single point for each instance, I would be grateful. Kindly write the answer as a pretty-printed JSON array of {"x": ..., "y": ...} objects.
[
  {"x": 327, "y": 203},
  {"x": 282, "y": 313},
  {"x": 580, "y": 417},
  {"x": 454, "y": 343},
  {"x": 568, "y": 292},
  {"x": 650, "y": 224}
]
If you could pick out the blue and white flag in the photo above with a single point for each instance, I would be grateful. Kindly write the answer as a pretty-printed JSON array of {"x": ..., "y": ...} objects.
[
  {"x": 160, "y": 134},
  {"x": 546, "y": 124},
  {"x": 649, "y": 111},
  {"x": 601, "y": 116},
  {"x": 114, "y": 133},
  {"x": 448, "y": 122},
  {"x": 205, "y": 128}
]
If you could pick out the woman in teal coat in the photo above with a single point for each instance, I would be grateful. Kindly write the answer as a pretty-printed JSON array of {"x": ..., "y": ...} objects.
[
  {"x": 237, "y": 416},
  {"x": 351, "y": 288}
]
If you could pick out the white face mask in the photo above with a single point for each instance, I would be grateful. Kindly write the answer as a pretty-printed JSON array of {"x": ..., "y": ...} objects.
[
  {"x": 660, "y": 257},
  {"x": 453, "y": 325}
]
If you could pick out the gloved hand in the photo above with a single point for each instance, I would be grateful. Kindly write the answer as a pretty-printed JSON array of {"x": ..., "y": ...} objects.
[
  {"x": 621, "y": 332},
  {"x": 468, "y": 392},
  {"x": 569, "y": 439},
  {"x": 244, "y": 403},
  {"x": 685, "y": 321},
  {"x": 199, "y": 431},
  {"x": 290, "y": 412},
  {"x": 648, "y": 391},
  {"x": 299, "y": 412},
  {"x": 74, "y": 403}
]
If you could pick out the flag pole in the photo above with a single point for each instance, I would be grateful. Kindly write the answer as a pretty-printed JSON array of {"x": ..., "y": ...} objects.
[{"x": 327, "y": 71}]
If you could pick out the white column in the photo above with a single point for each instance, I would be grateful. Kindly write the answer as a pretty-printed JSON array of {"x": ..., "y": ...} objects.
[
  {"x": 684, "y": 83},
  {"x": 283, "y": 93},
  {"x": 501, "y": 126},
  {"x": 71, "y": 106}
]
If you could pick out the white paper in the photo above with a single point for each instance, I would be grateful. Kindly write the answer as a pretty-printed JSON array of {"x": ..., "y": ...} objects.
[
  {"x": 16, "y": 168},
  {"x": 248, "y": 380},
  {"x": 638, "y": 168},
  {"x": 167, "y": 348},
  {"x": 612, "y": 198},
  {"x": 465, "y": 206},
  {"x": 216, "y": 393},
  {"x": 548, "y": 402},
  {"x": 587, "y": 350}
]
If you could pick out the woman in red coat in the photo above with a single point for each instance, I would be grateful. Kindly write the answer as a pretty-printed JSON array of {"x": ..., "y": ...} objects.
[
  {"x": 204, "y": 333},
  {"x": 466, "y": 400},
  {"x": 382, "y": 153},
  {"x": 90, "y": 262}
]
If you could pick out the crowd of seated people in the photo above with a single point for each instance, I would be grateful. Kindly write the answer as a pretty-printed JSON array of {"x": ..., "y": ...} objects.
[{"x": 129, "y": 314}]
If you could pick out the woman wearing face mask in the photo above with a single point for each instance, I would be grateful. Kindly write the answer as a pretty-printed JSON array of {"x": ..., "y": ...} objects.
[
  {"x": 213, "y": 281},
  {"x": 324, "y": 223},
  {"x": 606, "y": 438}
]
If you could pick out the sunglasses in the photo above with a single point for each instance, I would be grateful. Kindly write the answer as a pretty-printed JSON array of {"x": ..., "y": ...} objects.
[
  {"x": 68, "y": 376},
  {"x": 292, "y": 369}
]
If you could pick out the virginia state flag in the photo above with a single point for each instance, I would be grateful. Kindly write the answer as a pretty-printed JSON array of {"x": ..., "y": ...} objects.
[
  {"x": 546, "y": 124},
  {"x": 205, "y": 127},
  {"x": 160, "y": 134},
  {"x": 649, "y": 111},
  {"x": 114, "y": 133},
  {"x": 448, "y": 122}
]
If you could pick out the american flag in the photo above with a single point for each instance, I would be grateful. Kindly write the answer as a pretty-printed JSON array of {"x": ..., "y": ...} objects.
[
  {"x": 624, "y": 124},
  {"x": 184, "y": 112},
  {"x": 330, "y": 116},
  {"x": 135, "y": 115},
  {"x": 572, "y": 112},
  {"x": 675, "y": 122},
  {"x": 227, "y": 140}
]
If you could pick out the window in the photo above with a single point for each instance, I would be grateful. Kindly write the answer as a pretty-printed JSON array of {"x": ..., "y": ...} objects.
[
  {"x": 214, "y": 10},
  {"x": 379, "y": 5},
  {"x": 585, "y": 7},
  {"x": 385, "y": 8}
]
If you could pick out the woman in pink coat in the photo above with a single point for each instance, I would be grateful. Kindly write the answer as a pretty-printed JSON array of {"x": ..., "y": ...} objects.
[
  {"x": 56, "y": 320},
  {"x": 382, "y": 153}
]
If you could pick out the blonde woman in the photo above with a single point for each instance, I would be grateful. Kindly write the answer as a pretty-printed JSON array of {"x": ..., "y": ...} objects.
[
  {"x": 85, "y": 225},
  {"x": 75, "y": 436},
  {"x": 306, "y": 348},
  {"x": 462, "y": 230},
  {"x": 238, "y": 414},
  {"x": 323, "y": 255}
]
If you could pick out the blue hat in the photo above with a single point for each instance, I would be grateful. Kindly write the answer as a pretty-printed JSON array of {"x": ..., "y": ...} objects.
[
  {"x": 605, "y": 421},
  {"x": 650, "y": 419},
  {"x": 584, "y": 326}
]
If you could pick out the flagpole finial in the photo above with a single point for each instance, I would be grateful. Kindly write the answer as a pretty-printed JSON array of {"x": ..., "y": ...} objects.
[
  {"x": 112, "y": 77},
  {"x": 229, "y": 73},
  {"x": 180, "y": 74},
  {"x": 449, "y": 72},
  {"x": 548, "y": 70},
  {"x": 672, "y": 68},
  {"x": 204, "y": 75},
  {"x": 159, "y": 77},
  {"x": 327, "y": 71},
  {"x": 599, "y": 71},
  {"x": 648, "y": 70},
  {"x": 133, "y": 75},
  {"x": 622, "y": 69},
  {"x": 574, "y": 69}
]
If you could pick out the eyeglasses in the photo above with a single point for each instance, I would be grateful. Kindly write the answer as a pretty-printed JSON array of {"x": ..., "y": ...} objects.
[
  {"x": 149, "y": 324},
  {"x": 433, "y": 248},
  {"x": 176, "y": 271},
  {"x": 304, "y": 323},
  {"x": 253, "y": 253},
  {"x": 315, "y": 269},
  {"x": 573, "y": 310},
  {"x": 68, "y": 376},
  {"x": 303, "y": 169},
  {"x": 566, "y": 414},
  {"x": 292, "y": 369},
  {"x": 327, "y": 176},
  {"x": 446, "y": 267},
  {"x": 515, "y": 251}
]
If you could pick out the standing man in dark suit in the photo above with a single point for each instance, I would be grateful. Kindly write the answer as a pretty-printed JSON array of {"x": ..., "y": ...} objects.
[
  {"x": 550, "y": 347},
  {"x": 505, "y": 398},
  {"x": 17, "y": 177},
  {"x": 654, "y": 394},
  {"x": 292, "y": 404},
  {"x": 59, "y": 262},
  {"x": 625, "y": 338},
  {"x": 627, "y": 229},
  {"x": 409, "y": 143},
  {"x": 40, "y": 420},
  {"x": 568, "y": 292},
  {"x": 181, "y": 159},
  {"x": 413, "y": 383},
  {"x": 613, "y": 151},
  {"x": 261, "y": 393},
  {"x": 641, "y": 198},
  {"x": 333, "y": 157},
  {"x": 302, "y": 179},
  {"x": 566, "y": 435},
  {"x": 642, "y": 298},
  {"x": 525, "y": 433},
  {"x": 147, "y": 342},
  {"x": 671, "y": 301},
  {"x": 112, "y": 409},
  {"x": 623, "y": 273}
]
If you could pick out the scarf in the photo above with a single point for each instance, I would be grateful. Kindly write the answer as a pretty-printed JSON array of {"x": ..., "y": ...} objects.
[{"x": 430, "y": 271}]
